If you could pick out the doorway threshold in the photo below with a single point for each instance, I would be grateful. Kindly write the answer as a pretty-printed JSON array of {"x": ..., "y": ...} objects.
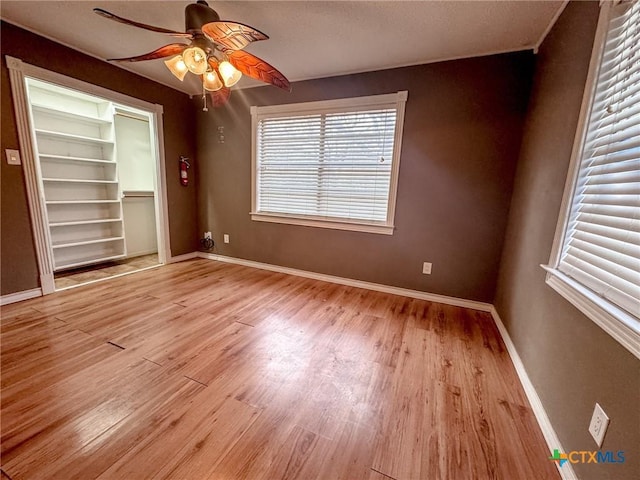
[{"x": 104, "y": 271}]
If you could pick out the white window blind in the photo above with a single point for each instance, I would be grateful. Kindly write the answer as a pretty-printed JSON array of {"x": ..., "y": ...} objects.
[
  {"x": 328, "y": 162},
  {"x": 601, "y": 249}
]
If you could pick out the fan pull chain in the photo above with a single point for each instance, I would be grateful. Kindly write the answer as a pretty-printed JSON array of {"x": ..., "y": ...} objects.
[{"x": 204, "y": 100}]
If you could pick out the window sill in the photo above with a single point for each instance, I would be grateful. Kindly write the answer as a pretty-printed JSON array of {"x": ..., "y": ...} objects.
[
  {"x": 622, "y": 326},
  {"x": 323, "y": 223}
]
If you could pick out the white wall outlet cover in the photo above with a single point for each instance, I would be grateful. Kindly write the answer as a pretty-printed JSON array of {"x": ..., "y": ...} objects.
[
  {"x": 598, "y": 425},
  {"x": 226, "y": 238},
  {"x": 426, "y": 268},
  {"x": 13, "y": 157},
  {"x": 207, "y": 235}
]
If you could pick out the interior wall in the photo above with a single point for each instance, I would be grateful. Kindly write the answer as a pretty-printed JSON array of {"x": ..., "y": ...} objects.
[
  {"x": 18, "y": 259},
  {"x": 461, "y": 140},
  {"x": 571, "y": 361}
]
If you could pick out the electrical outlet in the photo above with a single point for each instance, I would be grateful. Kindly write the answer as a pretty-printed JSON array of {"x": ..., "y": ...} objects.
[
  {"x": 426, "y": 268},
  {"x": 207, "y": 235},
  {"x": 226, "y": 238},
  {"x": 598, "y": 425}
]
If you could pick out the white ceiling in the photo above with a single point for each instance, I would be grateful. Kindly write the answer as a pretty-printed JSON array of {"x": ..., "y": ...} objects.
[{"x": 309, "y": 39}]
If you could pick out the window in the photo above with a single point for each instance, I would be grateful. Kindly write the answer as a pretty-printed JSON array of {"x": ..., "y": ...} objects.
[
  {"x": 330, "y": 164},
  {"x": 595, "y": 262}
]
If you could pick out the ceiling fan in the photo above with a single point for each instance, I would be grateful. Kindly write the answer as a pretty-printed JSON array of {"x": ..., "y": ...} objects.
[{"x": 214, "y": 52}]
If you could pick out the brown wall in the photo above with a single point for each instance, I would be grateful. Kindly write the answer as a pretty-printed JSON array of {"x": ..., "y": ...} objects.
[
  {"x": 572, "y": 362},
  {"x": 461, "y": 140},
  {"x": 18, "y": 259}
]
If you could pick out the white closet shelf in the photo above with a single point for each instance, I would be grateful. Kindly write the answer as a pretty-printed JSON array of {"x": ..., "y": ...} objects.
[
  {"x": 69, "y": 115},
  {"x": 138, "y": 193},
  {"x": 69, "y": 137},
  {"x": 87, "y": 242},
  {"x": 63, "y": 158},
  {"x": 75, "y": 139},
  {"x": 78, "y": 202},
  {"x": 85, "y": 222},
  {"x": 79, "y": 262},
  {"x": 79, "y": 180}
]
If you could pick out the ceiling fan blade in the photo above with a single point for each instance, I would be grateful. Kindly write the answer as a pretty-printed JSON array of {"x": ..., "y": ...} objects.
[
  {"x": 232, "y": 35},
  {"x": 220, "y": 97},
  {"x": 166, "y": 51},
  {"x": 257, "y": 68},
  {"x": 116, "y": 18}
]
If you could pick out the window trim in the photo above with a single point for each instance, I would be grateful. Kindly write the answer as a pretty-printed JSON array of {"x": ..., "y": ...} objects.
[
  {"x": 608, "y": 316},
  {"x": 396, "y": 100}
]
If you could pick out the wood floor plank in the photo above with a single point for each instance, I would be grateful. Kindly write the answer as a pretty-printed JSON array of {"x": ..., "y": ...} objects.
[
  {"x": 296, "y": 455},
  {"x": 400, "y": 442},
  {"x": 88, "y": 424},
  {"x": 13, "y": 320},
  {"x": 36, "y": 377},
  {"x": 210, "y": 442},
  {"x": 41, "y": 417},
  {"x": 137, "y": 329},
  {"x": 210, "y": 370},
  {"x": 350, "y": 455},
  {"x": 222, "y": 351},
  {"x": 105, "y": 450},
  {"x": 36, "y": 342},
  {"x": 11, "y": 310},
  {"x": 194, "y": 428},
  {"x": 374, "y": 475},
  {"x": 175, "y": 336},
  {"x": 261, "y": 445}
]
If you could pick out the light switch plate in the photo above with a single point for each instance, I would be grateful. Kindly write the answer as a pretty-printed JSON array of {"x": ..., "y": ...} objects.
[{"x": 13, "y": 157}]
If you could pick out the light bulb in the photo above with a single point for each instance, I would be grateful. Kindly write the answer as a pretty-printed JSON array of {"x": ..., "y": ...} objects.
[
  {"x": 211, "y": 82},
  {"x": 177, "y": 66},
  {"x": 230, "y": 76},
  {"x": 195, "y": 59}
]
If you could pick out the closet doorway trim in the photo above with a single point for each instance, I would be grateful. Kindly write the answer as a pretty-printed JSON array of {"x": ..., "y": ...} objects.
[{"x": 18, "y": 71}]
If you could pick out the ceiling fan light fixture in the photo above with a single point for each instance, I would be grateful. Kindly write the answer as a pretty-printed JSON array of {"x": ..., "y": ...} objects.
[
  {"x": 230, "y": 75},
  {"x": 205, "y": 41},
  {"x": 195, "y": 59},
  {"x": 211, "y": 81},
  {"x": 177, "y": 66}
]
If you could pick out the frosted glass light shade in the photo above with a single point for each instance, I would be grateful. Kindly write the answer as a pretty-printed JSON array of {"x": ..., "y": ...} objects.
[
  {"x": 211, "y": 82},
  {"x": 230, "y": 76},
  {"x": 177, "y": 66},
  {"x": 195, "y": 59}
]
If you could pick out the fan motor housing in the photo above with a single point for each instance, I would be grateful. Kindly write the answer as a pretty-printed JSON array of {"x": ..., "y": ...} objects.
[{"x": 198, "y": 14}]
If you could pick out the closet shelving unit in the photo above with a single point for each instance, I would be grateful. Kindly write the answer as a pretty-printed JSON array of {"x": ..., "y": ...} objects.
[{"x": 75, "y": 146}]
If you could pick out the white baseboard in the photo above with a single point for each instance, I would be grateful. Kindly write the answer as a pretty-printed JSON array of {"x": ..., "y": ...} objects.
[
  {"x": 431, "y": 297},
  {"x": 182, "y": 258},
  {"x": 20, "y": 296},
  {"x": 550, "y": 436}
]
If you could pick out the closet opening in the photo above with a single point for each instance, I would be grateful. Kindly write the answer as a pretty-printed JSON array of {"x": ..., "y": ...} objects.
[{"x": 95, "y": 179}]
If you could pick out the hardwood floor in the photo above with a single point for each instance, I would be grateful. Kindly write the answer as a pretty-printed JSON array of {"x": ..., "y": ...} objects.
[{"x": 206, "y": 370}]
